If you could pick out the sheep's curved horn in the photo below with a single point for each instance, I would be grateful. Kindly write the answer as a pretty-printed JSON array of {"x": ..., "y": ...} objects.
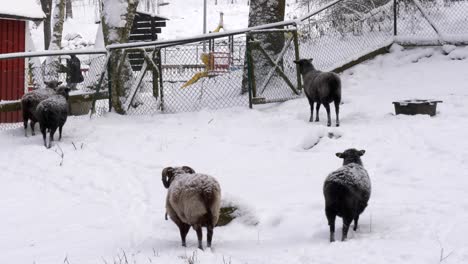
[
  {"x": 166, "y": 173},
  {"x": 187, "y": 169}
]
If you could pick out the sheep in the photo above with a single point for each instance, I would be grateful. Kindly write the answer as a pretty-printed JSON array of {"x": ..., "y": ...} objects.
[
  {"x": 29, "y": 103},
  {"x": 347, "y": 192},
  {"x": 193, "y": 199},
  {"x": 52, "y": 114},
  {"x": 321, "y": 88}
]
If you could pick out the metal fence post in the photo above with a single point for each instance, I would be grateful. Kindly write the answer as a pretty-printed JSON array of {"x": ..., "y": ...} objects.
[
  {"x": 161, "y": 86},
  {"x": 109, "y": 82},
  {"x": 296, "y": 53},
  {"x": 395, "y": 3}
]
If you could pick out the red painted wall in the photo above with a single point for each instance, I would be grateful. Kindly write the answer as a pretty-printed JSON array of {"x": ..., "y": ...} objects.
[{"x": 12, "y": 39}]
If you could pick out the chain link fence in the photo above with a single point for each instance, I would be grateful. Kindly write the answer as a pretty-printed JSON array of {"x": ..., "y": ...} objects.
[{"x": 237, "y": 69}]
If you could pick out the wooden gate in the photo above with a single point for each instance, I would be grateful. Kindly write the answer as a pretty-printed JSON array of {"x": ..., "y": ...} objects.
[{"x": 12, "y": 39}]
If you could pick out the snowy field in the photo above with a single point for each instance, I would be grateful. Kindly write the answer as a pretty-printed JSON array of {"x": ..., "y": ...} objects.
[{"x": 107, "y": 198}]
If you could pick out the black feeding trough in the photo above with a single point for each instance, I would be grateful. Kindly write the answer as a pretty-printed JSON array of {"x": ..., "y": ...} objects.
[{"x": 416, "y": 106}]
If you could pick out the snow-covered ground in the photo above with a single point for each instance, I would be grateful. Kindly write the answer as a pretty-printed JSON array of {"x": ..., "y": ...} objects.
[{"x": 107, "y": 199}]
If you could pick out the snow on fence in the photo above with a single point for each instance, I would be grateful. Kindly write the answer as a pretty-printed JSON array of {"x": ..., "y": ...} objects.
[{"x": 210, "y": 71}]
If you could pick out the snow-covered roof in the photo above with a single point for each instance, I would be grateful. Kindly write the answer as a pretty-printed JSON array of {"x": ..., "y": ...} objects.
[
  {"x": 22, "y": 9},
  {"x": 153, "y": 15}
]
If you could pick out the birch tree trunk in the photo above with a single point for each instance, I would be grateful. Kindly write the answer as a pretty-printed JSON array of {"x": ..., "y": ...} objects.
[
  {"x": 47, "y": 9},
  {"x": 117, "y": 20},
  {"x": 264, "y": 12},
  {"x": 52, "y": 63}
]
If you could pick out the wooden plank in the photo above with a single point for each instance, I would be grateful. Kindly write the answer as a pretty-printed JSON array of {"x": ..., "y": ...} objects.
[
  {"x": 140, "y": 38},
  {"x": 142, "y": 24},
  {"x": 10, "y": 65},
  {"x": 135, "y": 56},
  {"x": 145, "y": 31},
  {"x": 361, "y": 59},
  {"x": 15, "y": 105},
  {"x": 3, "y": 65},
  {"x": 159, "y": 24}
]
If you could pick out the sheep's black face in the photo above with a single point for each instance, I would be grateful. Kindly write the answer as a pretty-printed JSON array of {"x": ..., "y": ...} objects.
[
  {"x": 64, "y": 91},
  {"x": 351, "y": 156},
  {"x": 53, "y": 84},
  {"x": 304, "y": 65}
]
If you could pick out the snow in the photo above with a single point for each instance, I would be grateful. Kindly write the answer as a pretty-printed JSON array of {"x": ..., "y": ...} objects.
[
  {"x": 22, "y": 8},
  {"x": 352, "y": 175},
  {"x": 107, "y": 197}
]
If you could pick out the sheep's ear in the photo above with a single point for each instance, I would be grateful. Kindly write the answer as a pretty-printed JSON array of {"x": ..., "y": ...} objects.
[
  {"x": 296, "y": 61},
  {"x": 310, "y": 59},
  {"x": 46, "y": 83},
  {"x": 59, "y": 83},
  {"x": 187, "y": 169},
  {"x": 361, "y": 152},
  {"x": 339, "y": 155}
]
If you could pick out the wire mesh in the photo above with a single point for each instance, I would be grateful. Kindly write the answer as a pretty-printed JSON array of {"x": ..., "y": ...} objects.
[
  {"x": 345, "y": 32},
  {"x": 274, "y": 70},
  {"x": 37, "y": 70},
  {"x": 449, "y": 17},
  {"x": 213, "y": 73}
]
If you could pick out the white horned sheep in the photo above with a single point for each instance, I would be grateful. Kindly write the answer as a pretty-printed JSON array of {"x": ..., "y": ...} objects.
[
  {"x": 347, "y": 192},
  {"x": 321, "y": 88},
  {"x": 52, "y": 113},
  {"x": 30, "y": 100},
  {"x": 193, "y": 200}
]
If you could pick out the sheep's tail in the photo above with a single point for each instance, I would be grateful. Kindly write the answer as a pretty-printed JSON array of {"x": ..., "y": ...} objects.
[
  {"x": 210, "y": 200},
  {"x": 335, "y": 84}
]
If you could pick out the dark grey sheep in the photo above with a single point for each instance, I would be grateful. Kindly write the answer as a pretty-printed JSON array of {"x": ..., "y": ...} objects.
[
  {"x": 347, "y": 192},
  {"x": 321, "y": 88},
  {"x": 193, "y": 200},
  {"x": 30, "y": 100},
  {"x": 52, "y": 113}
]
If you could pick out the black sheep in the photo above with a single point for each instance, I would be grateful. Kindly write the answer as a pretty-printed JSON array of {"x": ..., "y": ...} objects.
[
  {"x": 52, "y": 114},
  {"x": 347, "y": 191},
  {"x": 321, "y": 88},
  {"x": 30, "y": 100}
]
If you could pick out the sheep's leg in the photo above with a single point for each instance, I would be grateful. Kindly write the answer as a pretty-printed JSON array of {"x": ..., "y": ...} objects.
[
  {"x": 311, "y": 103},
  {"x": 317, "y": 108},
  {"x": 184, "y": 229},
  {"x": 337, "y": 112},
  {"x": 52, "y": 132},
  {"x": 60, "y": 133},
  {"x": 327, "y": 107},
  {"x": 346, "y": 223},
  {"x": 199, "y": 231},
  {"x": 44, "y": 133},
  {"x": 331, "y": 216},
  {"x": 209, "y": 235},
  {"x": 356, "y": 219},
  {"x": 25, "y": 124},
  {"x": 32, "y": 124}
]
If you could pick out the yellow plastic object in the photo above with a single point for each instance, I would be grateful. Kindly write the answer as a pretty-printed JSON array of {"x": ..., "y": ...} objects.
[{"x": 205, "y": 58}]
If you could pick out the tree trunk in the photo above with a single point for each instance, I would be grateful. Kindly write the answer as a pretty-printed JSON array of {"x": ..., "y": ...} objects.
[
  {"x": 52, "y": 63},
  {"x": 264, "y": 12},
  {"x": 69, "y": 9},
  {"x": 46, "y": 8},
  {"x": 116, "y": 26}
]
